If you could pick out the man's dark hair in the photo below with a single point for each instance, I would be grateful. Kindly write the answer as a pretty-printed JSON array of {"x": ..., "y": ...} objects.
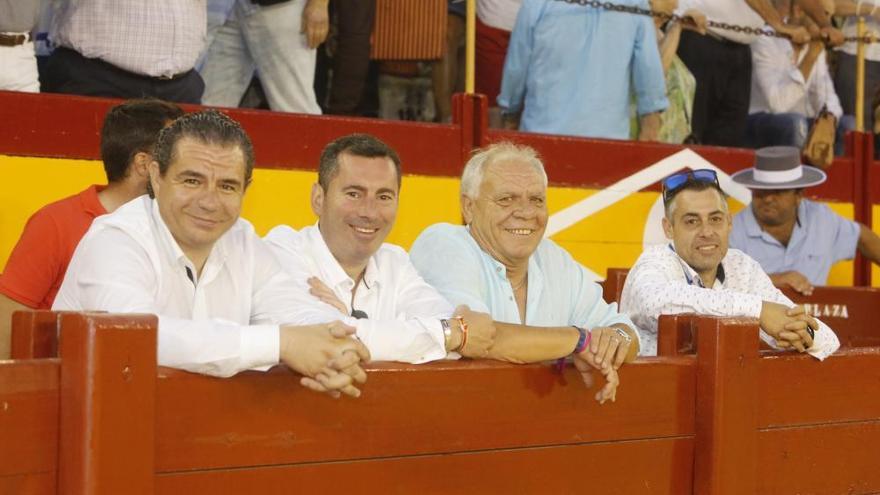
[
  {"x": 691, "y": 185},
  {"x": 363, "y": 145},
  {"x": 209, "y": 127},
  {"x": 131, "y": 128}
]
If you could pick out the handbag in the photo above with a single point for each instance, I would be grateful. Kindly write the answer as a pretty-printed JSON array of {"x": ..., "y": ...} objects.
[{"x": 818, "y": 150}]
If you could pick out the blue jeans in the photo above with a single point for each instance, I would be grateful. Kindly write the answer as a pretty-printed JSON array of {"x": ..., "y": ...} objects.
[
  {"x": 268, "y": 40},
  {"x": 789, "y": 129}
]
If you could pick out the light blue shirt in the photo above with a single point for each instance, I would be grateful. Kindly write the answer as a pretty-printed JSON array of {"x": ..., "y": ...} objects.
[
  {"x": 560, "y": 293},
  {"x": 570, "y": 69},
  {"x": 820, "y": 239}
]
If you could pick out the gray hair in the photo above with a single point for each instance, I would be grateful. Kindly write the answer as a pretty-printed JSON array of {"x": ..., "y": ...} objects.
[{"x": 472, "y": 176}]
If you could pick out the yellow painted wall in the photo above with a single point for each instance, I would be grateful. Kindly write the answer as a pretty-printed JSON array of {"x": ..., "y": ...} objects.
[{"x": 610, "y": 238}]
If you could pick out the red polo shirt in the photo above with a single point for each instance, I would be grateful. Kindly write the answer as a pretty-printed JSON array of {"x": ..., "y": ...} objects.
[{"x": 36, "y": 267}]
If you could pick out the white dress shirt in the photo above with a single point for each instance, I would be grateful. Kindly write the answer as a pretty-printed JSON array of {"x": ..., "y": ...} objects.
[
  {"x": 662, "y": 283},
  {"x": 403, "y": 311},
  {"x": 217, "y": 323},
  {"x": 779, "y": 87}
]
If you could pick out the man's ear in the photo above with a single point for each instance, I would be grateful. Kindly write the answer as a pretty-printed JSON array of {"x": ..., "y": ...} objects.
[
  {"x": 317, "y": 199},
  {"x": 153, "y": 172},
  {"x": 667, "y": 227},
  {"x": 140, "y": 165},
  {"x": 467, "y": 209}
]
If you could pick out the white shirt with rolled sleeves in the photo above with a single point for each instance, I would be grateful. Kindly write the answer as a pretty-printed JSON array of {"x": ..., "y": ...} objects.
[
  {"x": 560, "y": 292},
  {"x": 403, "y": 312},
  {"x": 662, "y": 283},
  {"x": 219, "y": 323}
]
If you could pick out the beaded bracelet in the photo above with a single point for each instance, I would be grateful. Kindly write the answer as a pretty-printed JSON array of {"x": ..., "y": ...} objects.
[{"x": 582, "y": 343}]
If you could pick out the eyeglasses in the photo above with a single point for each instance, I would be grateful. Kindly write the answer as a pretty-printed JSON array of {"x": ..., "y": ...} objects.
[{"x": 674, "y": 183}]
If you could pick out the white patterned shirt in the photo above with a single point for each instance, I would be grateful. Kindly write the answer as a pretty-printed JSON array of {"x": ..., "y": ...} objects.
[
  {"x": 148, "y": 37},
  {"x": 403, "y": 311},
  {"x": 662, "y": 283}
]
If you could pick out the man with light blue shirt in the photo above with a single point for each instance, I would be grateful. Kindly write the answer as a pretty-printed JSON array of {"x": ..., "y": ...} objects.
[
  {"x": 572, "y": 69},
  {"x": 795, "y": 240},
  {"x": 499, "y": 263}
]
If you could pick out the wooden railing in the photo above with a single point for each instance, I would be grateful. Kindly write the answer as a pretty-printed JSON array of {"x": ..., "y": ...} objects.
[{"x": 725, "y": 419}]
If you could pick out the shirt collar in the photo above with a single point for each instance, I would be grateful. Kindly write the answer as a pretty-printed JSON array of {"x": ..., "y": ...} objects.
[
  {"x": 333, "y": 272},
  {"x": 691, "y": 275},
  {"x": 90, "y": 202}
]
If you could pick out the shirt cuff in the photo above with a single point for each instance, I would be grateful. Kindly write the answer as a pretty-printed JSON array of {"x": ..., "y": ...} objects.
[
  {"x": 260, "y": 346},
  {"x": 825, "y": 342},
  {"x": 415, "y": 341}
]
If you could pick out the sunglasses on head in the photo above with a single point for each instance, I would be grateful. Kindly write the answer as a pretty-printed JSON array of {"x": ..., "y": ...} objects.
[{"x": 674, "y": 183}]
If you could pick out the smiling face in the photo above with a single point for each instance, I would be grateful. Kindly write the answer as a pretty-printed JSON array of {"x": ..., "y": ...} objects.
[
  {"x": 775, "y": 207},
  {"x": 200, "y": 194},
  {"x": 357, "y": 211},
  {"x": 509, "y": 215},
  {"x": 699, "y": 229}
]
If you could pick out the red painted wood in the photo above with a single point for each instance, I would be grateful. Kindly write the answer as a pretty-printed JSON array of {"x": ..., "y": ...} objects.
[
  {"x": 856, "y": 310},
  {"x": 832, "y": 459},
  {"x": 612, "y": 287},
  {"x": 797, "y": 389},
  {"x": 35, "y": 334},
  {"x": 108, "y": 376},
  {"x": 28, "y": 484},
  {"x": 726, "y": 422},
  {"x": 676, "y": 334},
  {"x": 28, "y": 423},
  {"x": 662, "y": 466},
  {"x": 257, "y": 419}
]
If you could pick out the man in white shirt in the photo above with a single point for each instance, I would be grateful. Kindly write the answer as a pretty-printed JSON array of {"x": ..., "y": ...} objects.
[
  {"x": 697, "y": 273},
  {"x": 791, "y": 85},
  {"x": 398, "y": 316},
  {"x": 184, "y": 254}
]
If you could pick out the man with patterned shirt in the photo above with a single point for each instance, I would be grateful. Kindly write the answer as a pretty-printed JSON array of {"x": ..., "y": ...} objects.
[
  {"x": 697, "y": 273},
  {"x": 127, "y": 49}
]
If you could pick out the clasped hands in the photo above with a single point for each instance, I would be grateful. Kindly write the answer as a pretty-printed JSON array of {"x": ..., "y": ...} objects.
[
  {"x": 607, "y": 352},
  {"x": 791, "y": 327}
]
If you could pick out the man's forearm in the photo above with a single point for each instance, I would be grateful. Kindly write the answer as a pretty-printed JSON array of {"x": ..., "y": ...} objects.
[
  {"x": 526, "y": 344},
  {"x": 816, "y": 11},
  {"x": 869, "y": 244}
]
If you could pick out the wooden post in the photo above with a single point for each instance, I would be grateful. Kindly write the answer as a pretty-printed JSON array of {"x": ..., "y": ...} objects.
[
  {"x": 35, "y": 334},
  {"x": 726, "y": 438},
  {"x": 860, "y": 75},
  {"x": 107, "y": 405}
]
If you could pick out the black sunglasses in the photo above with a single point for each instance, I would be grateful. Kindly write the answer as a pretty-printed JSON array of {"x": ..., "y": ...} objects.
[{"x": 674, "y": 183}]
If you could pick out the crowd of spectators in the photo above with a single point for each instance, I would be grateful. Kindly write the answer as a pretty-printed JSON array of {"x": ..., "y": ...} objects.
[{"x": 546, "y": 66}]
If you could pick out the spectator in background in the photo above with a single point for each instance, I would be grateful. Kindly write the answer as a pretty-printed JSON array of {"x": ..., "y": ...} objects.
[
  {"x": 791, "y": 84},
  {"x": 351, "y": 57},
  {"x": 570, "y": 70},
  {"x": 18, "y": 63},
  {"x": 680, "y": 83},
  {"x": 275, "y": 38},
  {"x": 447, "y": 74},
  {"x": 495, "y": 21},
  {"x": 127, "y": 49},
  {"x": 721, "y": 62},
  {"x": 845, "y": 73},
  {"x": 794, "y": 239},
  {"x": 37, "y": 264}
]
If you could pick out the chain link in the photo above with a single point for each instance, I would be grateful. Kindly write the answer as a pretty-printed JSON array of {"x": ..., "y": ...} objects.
[{"x": 632, "y": 9}]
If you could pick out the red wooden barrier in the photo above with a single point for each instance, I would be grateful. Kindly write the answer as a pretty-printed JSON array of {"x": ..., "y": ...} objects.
[{"x": 727, "y": 420}]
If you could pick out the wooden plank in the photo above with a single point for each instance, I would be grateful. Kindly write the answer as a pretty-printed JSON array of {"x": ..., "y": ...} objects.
[
  {"x": 256, "y": 419},
  {"x": 108, "y": 380},
  {"x": 798, "y": 389},
  {"x": 850, "y": 311},
  {"x": 35, "y": 334},
  {"x": 655, "y": 467},
  {"x": 28, "y": 419},
  {"x": 28, "y": 484},
  {"x": 726, "y": 414},
  {"x": 832, "y": 459}
]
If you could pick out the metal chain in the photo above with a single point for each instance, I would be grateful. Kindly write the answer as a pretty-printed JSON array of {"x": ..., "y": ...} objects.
[{"x": 632, "y": 9}]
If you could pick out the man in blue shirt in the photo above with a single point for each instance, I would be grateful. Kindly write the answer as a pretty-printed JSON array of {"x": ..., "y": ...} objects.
[
  {"x": 571, "y": 69},
  {"x": 794, "y": 239},
  {"x": 500, "y": 263}
]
